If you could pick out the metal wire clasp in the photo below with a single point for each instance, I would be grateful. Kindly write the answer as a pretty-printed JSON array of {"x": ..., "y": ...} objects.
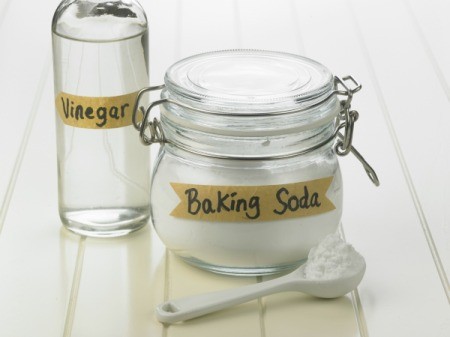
[
  {"x": 346, "y": 121},
  {"x": 155, "y": 131},
  {"x": 347, "y": 116}
]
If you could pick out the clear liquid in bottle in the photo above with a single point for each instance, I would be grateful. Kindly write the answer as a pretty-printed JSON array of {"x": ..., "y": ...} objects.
[{"x": 100, "y": 55}]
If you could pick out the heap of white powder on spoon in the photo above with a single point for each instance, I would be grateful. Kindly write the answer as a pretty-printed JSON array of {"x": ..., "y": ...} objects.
[{"x": 332, "y": 258}]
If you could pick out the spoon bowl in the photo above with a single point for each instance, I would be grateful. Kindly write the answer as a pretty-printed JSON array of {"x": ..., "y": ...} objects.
[{"x": 328, "y": 287}]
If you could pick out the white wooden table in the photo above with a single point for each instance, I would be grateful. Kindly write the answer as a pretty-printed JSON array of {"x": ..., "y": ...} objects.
[{"x": 54, "y": 283}]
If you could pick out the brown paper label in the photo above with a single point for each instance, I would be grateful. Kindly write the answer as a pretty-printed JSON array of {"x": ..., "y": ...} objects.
[
  {"x": 252, "y": 203},
  {"x": 96, "y": 112}
]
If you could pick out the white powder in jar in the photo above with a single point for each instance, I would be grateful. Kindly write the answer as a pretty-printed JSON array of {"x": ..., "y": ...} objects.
[
  {"x": 332, "y": 258},
  {"x": 243, "y": 245}
]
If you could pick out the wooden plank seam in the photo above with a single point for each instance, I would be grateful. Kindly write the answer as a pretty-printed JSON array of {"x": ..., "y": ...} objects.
[
  {"x": 356, "y": 302},
  {"x": 415, "y": 198},
  {"x": 261, "y": 311},
  {"x": 71, "y": 308},
  {"x": 4, "y": 11},
  {"x": 426, "y": 46},
  {"x": 24, "y": 142},
  {"x": 166, "y": 286}
]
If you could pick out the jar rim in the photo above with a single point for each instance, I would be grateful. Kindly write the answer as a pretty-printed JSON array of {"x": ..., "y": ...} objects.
[{"x": 248, "y": 82}]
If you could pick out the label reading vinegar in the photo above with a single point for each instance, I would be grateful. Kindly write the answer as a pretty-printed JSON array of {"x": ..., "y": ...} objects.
[
  {"x": 95, "y": 112},
  {"x": 252, "y": 203}
]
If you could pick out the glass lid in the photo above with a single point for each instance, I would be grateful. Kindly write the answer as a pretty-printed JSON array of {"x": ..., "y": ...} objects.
[{"x": 249, "y": 80}]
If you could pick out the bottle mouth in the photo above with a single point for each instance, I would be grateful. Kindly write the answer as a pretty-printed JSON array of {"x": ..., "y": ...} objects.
[{"x": 99, "y": 21}]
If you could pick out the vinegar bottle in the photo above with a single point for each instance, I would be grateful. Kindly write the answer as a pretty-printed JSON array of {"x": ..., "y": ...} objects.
[{"x": 100, "y": 62}]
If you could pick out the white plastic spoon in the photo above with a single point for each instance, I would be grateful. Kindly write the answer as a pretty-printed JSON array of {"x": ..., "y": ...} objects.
[{"x": 198, "y": 305}]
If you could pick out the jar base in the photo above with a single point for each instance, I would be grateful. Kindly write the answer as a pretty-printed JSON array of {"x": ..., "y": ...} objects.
[
  {"x": 104, "y": 222},
  {"x": 243, "y": 271}
]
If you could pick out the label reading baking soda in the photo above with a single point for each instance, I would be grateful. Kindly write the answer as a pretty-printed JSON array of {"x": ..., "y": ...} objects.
[
  {"x": 252, "y": 203},
  {"x": 95, "y": 112}
]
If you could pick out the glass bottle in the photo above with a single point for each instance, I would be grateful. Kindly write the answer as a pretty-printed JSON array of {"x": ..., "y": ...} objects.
[{"x": 100, "y": 55}]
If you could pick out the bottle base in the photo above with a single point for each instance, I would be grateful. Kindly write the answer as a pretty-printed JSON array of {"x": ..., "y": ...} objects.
[
  {"x": 243, "y": 271},
  {"x": 104, "y": 222}
]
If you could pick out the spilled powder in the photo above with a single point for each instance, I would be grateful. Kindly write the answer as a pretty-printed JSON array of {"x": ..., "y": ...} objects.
[{"x": 332, "y": 258}]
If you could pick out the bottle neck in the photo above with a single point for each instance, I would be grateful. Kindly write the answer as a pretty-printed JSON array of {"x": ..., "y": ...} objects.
[{"x": 99, "y": 20}]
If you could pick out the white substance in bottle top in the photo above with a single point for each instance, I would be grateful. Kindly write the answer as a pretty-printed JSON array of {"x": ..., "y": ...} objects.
[{"x": 332, "y": 258}]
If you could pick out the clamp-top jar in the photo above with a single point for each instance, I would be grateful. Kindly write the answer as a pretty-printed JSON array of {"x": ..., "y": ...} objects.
[{"x": 247, "y": 179}]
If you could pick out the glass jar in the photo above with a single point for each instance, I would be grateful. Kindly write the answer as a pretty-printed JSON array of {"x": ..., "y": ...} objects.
[{"x": 247, "y": 179}]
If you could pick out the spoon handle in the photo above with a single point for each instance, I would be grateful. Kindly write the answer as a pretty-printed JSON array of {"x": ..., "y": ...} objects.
[{"x": 198, "y": 305}]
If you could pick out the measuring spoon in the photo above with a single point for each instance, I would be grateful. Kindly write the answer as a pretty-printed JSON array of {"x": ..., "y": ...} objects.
[{"x": 198, "y": 305}]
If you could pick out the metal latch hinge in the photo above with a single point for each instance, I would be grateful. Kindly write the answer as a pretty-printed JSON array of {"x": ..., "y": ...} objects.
[{"x": 346, "y": 122}]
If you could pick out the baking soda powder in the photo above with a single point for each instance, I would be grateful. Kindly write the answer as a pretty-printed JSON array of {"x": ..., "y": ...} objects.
[{"x": 332, "y": 258}]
